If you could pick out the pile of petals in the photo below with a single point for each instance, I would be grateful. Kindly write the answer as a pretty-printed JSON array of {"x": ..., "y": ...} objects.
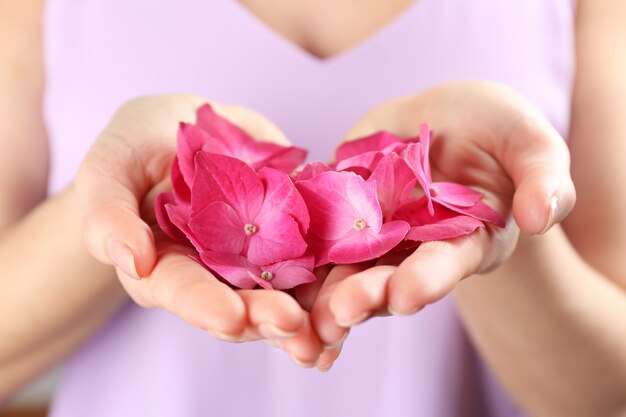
[{"x": 248, "y": 216}]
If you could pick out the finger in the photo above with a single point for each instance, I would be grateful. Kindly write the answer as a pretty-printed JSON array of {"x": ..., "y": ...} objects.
[
  {"x": 432, "y": 271},
  {"x": 305, "y": 347},
  {"x": 185, "y": 288},
  {"x": 328, "y": 358},
  {"x": 306, "y": 294},
  {"x": 109, "y": 194},
  {"x": 537, "y": 159},
  {"x": 361, "y": 295},
  {"x": 273, "y": 314},
  {"x": 322, "y": 318}
]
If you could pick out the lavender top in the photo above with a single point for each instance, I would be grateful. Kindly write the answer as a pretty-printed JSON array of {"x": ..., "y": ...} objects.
[{"x": 148, "y": 362}]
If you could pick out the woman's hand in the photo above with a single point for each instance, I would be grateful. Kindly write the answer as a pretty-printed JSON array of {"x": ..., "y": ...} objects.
[
  {"x": 127, "y": 167},
  {"x": 485, "y": 136}
]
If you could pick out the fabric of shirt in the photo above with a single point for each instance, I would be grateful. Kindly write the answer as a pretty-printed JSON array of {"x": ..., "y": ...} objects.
[{"x": 100, "y": 53}]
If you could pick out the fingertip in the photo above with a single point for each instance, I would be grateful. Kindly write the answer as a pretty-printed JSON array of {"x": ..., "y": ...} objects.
[
  {"x": 539, "y": 205},
  {"x": 117, "y": 236},
  {"x": 272, "y": 311},
  {"x": 360, "y": 294},
  {"x": 429, "y": 274}
]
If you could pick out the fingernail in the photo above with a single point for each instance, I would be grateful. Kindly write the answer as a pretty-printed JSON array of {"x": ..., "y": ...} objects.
[
  {"x": 302, "y": 363},
  {"x": 272, "y": 343},
  {"x": 403, "y": 312},
  {"x": 122, "y": 256},
  {"x": 355, "y": 320},
  {"x": 270, "y": 331},
  {"x": 337, "y": 343},
  {"x": 222, "y": 336},
  {"x": 324, "y": 367},
  {"x": 554, "y": 205}
]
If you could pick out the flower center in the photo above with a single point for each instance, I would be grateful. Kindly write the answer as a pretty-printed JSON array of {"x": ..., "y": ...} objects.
[
  {"x": 267, "y": 276},
  {"x": 434, "y": 191},
  {"x": 359, "y": 224},
  {"x": 250, "y": 229}
]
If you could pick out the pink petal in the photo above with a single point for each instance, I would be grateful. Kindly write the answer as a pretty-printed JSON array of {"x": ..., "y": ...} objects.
[
  {"x": 237, "y": 143},
  {"x": 219, "y": 228},
  {"x": 179, "y": 215},
  {"x": 454, "y": 194},
  {"x": 180, "y": 188},
  {"x": 480, "y": 211},
  {"x": 288, "y": 274},
  {"x": 281, "y": 195},
  {"x": 277, "y": 238},
  {"x": 367, "y": 160},
  {"x": 449, "y": 228},
  {"x": 221, "y": 128},
  {"x": 190, "y": 141},
  {"x": 395, "y": 182},
  {"x": 222, "y": 178},
  {"x": 375, "y": 142},
  {"x": 232, "y": 268},
  {"x": 163, "y": 219},
  {"x": 311, "y": 170},
  {"x": 336, "y": 200},
  {"x": 413, "y": 157},
  {"x": 363, "y": 245},
  {"x": 425, "y": 139},
  {"x": 285, "y": 159}
]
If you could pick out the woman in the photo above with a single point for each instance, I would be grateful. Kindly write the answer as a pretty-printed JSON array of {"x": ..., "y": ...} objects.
[{"x": 543, "y": 321}]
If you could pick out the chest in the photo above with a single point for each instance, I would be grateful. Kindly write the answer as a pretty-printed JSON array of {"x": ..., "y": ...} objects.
[{"x": 324, "y": 28}]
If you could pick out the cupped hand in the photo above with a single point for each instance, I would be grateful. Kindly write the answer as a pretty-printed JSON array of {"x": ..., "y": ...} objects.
[
  {"x": 124, "y": 171},
  {"x": 485, "y": 136}
]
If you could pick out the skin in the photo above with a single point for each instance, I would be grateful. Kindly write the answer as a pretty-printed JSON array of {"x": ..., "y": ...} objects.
[{"x": 554, "y": 373}]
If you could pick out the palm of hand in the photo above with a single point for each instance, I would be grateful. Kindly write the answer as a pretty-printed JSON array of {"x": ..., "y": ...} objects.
[{"x": 486, "y": 137}]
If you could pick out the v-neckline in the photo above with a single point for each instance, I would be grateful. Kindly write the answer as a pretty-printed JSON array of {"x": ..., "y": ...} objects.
[{"x": 379, "y": 34}]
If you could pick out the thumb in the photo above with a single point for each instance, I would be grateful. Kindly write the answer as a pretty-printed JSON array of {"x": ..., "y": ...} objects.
[
  {"x": 537, "y": 159},
  {"x": 110, "y": 184}
]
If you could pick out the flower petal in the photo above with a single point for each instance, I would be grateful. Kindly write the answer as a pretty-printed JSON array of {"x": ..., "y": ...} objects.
[
  {"x": 282, "y": 158},
  {"x": 179, "y": 215},
  {"x": 336, "y": 200},
  {"x": 291, "y": 273},
  {"x": 449, "y": 228},
  {"x": 232, "y": 268},
  {"x": 222, "y": 178},
  {"x": 455, "y": 194},
  {"x": 190, "y": 141},
  {"x": 413, "y": 157},
  {"x": 374, "y": 142},
  {"x": 395, "y": 182},
  {"x": 311, "y": 170},
  {"x": 281, "y": 195},
  {"x": 181, "y": 189},
  {"x": 219, "y": 228},
  {"x": 277, "y": 238},
  {"x": 367, "y": 161},
  {"x": 163, "y": 218},
  {"x": 229, "y": 134},
  {"x": 480, "y": 211},
  {"x": 363, "y": 245}
]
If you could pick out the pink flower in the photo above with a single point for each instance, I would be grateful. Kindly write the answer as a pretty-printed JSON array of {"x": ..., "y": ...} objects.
[
  {"x": 244, "y": 274},
  {"x": 347, "y": 219},
  {"x": 229, "y": 212},
  {"x": 215, "y": 134},
  {"x": 456, "y": 197},
  {"x": 363, "y": 155},
  {"x": 444, "y": 224}
]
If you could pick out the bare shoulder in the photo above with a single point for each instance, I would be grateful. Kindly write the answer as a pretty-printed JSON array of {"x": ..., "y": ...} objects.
[
  {"x": 23, "y": 143},
  {"x": 597, "y": 226}
]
